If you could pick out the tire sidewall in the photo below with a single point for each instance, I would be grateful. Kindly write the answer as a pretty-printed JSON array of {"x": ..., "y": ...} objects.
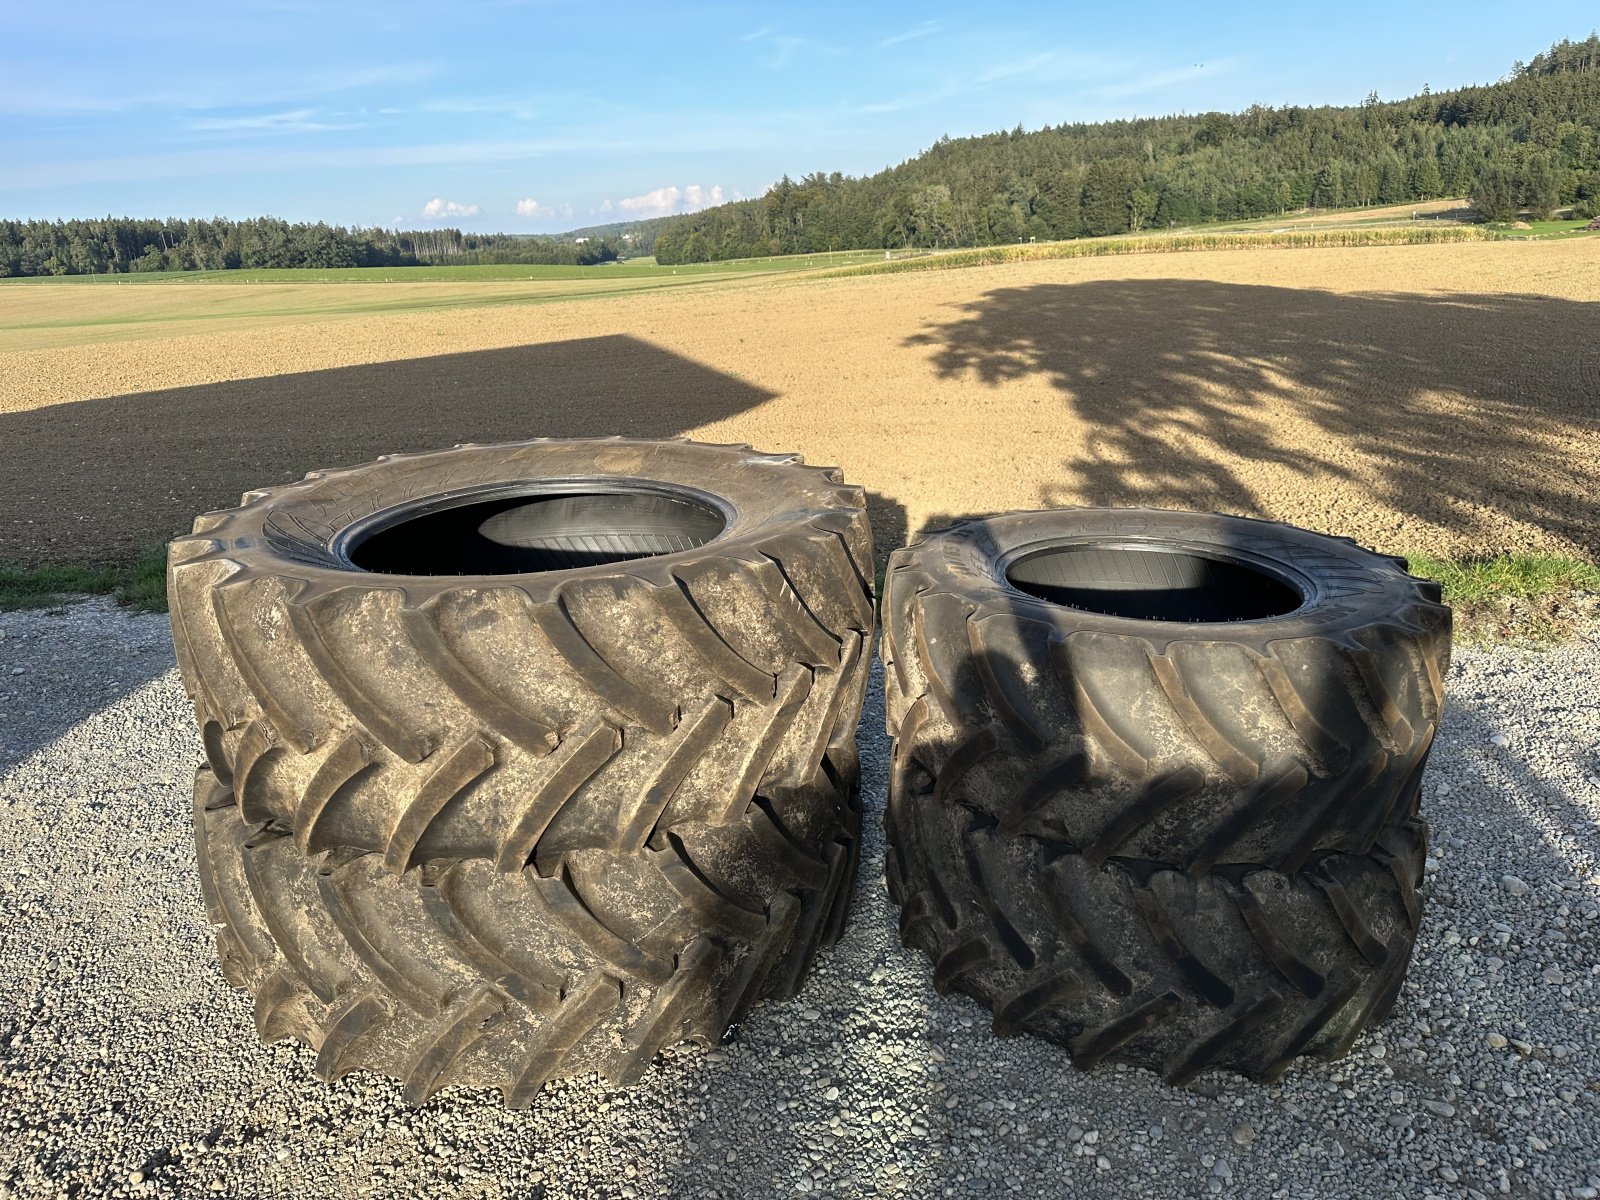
[
  {"x": 304, "y": 528},
  {"x": 1343, "y": 585}
]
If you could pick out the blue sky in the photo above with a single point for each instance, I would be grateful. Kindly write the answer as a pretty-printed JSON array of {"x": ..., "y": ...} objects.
[{"x": 539, "y": 115}]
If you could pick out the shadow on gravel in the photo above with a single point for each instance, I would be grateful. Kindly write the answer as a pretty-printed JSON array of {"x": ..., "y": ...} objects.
[
  {"x": 59, "y": 670},
  {"x": 101, "y": 480},
  {"x": 1452, "y": 408}
]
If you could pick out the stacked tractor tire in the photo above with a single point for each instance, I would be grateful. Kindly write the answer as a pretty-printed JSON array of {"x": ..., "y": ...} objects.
[
  {"x": 1155, "y": 784},
  {"x": 534, "y": 760},
  {"x": 510, "y": 774}
]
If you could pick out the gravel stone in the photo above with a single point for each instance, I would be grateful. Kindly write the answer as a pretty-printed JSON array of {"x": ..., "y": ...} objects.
[
  {"x": 123, "y": 1052},
  {"x": 1514, "y": 885}
]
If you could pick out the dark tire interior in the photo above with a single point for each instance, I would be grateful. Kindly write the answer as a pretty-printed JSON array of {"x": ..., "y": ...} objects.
[
  {"x": 524, "y": 534},
  {"x": 1152, "y": 583}
]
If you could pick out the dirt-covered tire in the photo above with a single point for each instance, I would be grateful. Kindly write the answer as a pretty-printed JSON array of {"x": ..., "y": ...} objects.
[
  {"x": 522, "y": 652},
  {"x": 457, "y": 973},
  {"x": 1244, "y": 969},
  {"x": 1178, "y": 688}
]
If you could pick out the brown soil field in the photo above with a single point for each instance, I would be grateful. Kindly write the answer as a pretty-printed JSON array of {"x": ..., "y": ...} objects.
[{"x": 1441, "y": 399}]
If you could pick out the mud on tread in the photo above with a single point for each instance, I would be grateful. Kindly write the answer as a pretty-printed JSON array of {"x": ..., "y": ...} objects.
[{"x": 459, "y": 974}]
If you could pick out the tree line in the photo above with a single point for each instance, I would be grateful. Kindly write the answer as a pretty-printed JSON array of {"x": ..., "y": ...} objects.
[
  {"x": 1529, "y": 142},
  {"x": 117, "y": 244}
]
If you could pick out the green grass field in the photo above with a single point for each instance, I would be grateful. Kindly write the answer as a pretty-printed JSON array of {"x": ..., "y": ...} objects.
[
  {"x": 632, "y": 269},
  {"x": 66, "y": 310},
  {"x": 1546, "y": 229}
]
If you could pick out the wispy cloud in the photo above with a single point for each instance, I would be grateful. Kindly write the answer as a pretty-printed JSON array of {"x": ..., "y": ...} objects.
[
  {"x": 926, "y": 29},
  {"x": 300, "y": 120},
  {"x": 783, "y": 46},
  {"x": 716, "y": 132},
  {"x": 1101, "y": 76},
  {"x": 440, "y": 209},
  {"x": 1010, "y": 70},
  {"x": 22, "y": 93},
  {"x": 964, "y": 84},
  {"x": 1151, "y": 82},
  {"x": 521, "y": 110},
  {"x": 664, "y": 201}
]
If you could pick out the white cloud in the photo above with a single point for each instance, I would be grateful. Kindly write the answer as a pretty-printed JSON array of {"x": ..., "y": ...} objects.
[
  {"x": 534, "y": 211},
  {"x": 695, "y": 196},
  {"x": 440, "y": 209},
  {"x": 664, "y": 201}
]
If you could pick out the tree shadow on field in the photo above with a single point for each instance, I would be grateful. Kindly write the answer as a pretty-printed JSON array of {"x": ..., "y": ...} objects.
[
  {"x": 101, "y": 480},
  {"x": 1462, "y": 411}
]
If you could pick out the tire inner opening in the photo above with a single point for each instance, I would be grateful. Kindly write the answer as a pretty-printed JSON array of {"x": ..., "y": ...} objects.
[
  {"x": 516, "y": 535},
  {"x": 1152, "y": 583}
]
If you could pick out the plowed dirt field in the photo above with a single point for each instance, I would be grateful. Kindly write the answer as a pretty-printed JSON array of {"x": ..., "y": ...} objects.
[{"x": 1422, "y": 398}]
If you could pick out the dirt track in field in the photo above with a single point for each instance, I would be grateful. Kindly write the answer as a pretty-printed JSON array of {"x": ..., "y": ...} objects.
[{"x": 1427, "y": 398}]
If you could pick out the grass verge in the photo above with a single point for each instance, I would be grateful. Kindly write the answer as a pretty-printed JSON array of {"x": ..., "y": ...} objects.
[
  {"x": 1515, "y": 597},
  {"x": 140, "y": 585}
]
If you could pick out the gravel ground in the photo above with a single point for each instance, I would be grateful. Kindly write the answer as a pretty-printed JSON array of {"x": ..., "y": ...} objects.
[{"x": 127, "y": 1066}]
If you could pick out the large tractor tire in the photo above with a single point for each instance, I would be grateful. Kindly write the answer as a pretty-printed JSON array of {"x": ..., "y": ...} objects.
[
  {"x": 458, "y": 973},
  {"x": 526, "y": 760},
  {"x": 520, "y": 652},
  {"x": 1177, "y": 688},
  {"x": 1155, "y": 781}
]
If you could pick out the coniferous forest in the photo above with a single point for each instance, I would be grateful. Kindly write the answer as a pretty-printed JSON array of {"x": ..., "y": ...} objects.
[
  {"x": 116, "y": 244},
  {"x": 1530, "y": 142}
]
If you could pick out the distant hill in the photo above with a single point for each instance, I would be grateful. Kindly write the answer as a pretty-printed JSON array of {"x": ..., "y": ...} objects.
[
  {"x": 1529, "y": 142},
  {"x": 634, "y": 238}
]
